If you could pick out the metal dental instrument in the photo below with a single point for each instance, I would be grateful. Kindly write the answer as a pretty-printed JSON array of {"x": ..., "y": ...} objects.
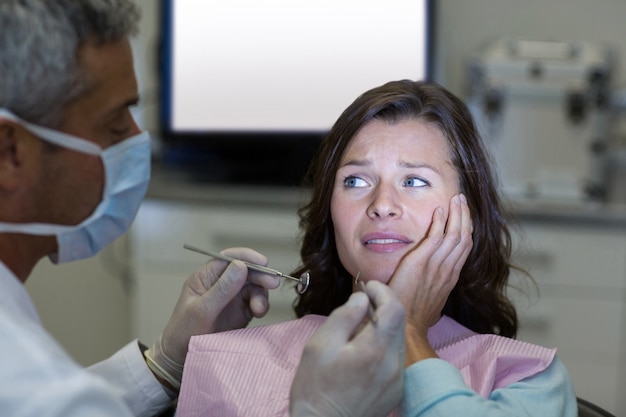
[
  {"x": 370, "y": 310},
  {"x": 303, "y": 281}
]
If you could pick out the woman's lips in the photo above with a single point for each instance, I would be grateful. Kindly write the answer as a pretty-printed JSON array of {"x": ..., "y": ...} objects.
[{"x": 385, "y": 242}]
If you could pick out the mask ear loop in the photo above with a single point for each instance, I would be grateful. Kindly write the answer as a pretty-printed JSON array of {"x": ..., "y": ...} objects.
[{"x": 356, "y": 278}]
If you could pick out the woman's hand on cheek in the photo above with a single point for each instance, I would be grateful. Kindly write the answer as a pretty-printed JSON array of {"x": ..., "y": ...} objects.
[{"x": 426, "y": 275}]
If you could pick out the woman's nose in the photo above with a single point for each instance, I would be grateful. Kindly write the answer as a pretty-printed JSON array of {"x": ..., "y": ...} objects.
[{"x": 384, "y": 204}]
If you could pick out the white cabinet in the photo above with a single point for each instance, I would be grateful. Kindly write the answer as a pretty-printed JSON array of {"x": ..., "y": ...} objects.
[
  {"x": 161, "y": 265},
  {"x": 578, "y": 302},
  {"x": 85, "y": 304}
]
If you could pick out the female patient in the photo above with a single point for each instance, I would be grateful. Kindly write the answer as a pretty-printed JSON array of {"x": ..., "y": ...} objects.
[{"x": 403, "y": 193}]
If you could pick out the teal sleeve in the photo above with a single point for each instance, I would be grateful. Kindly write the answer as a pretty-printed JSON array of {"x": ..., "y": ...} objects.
[{"x": 434, "y": 387}]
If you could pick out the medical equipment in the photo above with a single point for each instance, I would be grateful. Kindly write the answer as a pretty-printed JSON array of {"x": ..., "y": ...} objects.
[
  {"x": 543, "y": 109},
  {"x": 370, "y": 310},
  {"x": 303, "y": 281}
]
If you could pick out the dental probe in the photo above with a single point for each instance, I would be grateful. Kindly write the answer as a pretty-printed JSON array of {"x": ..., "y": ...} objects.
[
  {"x": 370, "y": 309},
  {"x": 303, "y": 281}
]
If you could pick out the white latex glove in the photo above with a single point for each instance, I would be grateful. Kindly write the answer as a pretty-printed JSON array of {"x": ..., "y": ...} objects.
[
  {"x": 219, "y": 296},
  {"x": 346, "y": 371}
]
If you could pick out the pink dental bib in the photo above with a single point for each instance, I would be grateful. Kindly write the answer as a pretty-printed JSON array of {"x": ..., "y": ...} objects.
[
  {"x": 248, "y": 372},
  {"x": 486, "y": 361}
]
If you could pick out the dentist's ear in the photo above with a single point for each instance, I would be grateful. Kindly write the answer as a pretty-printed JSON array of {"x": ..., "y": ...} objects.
[{"x": 14, "y": 148}]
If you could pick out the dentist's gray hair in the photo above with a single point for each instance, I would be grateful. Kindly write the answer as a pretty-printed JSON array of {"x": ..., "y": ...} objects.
[{"x": 39, "y": 41}]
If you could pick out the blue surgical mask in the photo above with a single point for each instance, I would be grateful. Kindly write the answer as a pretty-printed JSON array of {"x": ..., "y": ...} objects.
[{"x": 127, "y": 174}]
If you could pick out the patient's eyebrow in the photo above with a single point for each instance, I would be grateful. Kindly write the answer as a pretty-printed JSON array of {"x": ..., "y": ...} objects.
[
  {"x": 356, "y": 162},
  {"x": 418, "y": 165}
]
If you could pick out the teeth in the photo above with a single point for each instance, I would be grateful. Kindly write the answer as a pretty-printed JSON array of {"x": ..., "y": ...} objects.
[{"x": 383, "y": 241}]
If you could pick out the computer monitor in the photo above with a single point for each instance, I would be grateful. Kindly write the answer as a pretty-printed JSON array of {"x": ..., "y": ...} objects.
[{"x": 249, "y": 87}]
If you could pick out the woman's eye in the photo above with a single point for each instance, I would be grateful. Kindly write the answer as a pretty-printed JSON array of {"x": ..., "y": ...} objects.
[
  {"x": 414, "y": 182},
  {"x": 354, "y": 182}
]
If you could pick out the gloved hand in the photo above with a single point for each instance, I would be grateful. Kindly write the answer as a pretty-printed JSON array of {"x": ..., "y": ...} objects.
[
  {"x": 219, "y": 296},
  {"x": 346, "y": 371}
]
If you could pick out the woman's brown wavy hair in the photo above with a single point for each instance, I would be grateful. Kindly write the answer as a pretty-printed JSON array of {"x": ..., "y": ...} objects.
[{"x": 479, "y": 300}]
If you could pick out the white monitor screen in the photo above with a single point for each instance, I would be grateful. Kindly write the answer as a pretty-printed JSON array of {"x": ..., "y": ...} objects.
[{"x": 284, "y": 65}]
